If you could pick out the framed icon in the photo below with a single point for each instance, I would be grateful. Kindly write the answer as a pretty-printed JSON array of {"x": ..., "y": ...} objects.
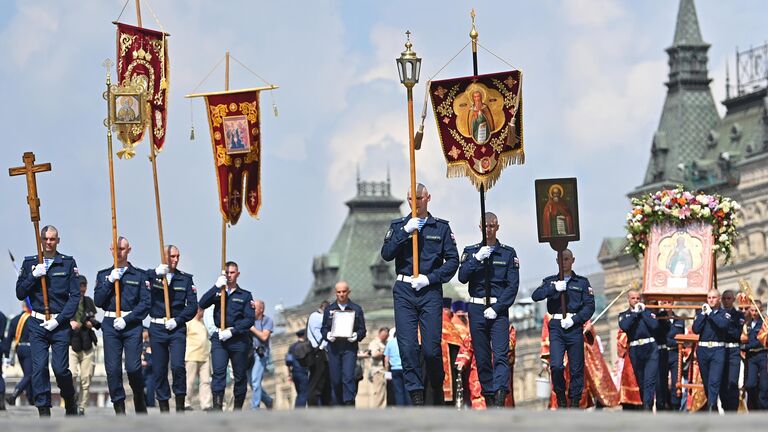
[
  {"x": 557, "y": 210},
  {"x": 237, "y": 138}
]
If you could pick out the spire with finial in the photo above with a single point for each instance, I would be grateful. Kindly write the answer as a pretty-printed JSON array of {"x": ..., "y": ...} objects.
[
  {"x": 727, "y": 80},
  {"x": 688, "y": 53}
]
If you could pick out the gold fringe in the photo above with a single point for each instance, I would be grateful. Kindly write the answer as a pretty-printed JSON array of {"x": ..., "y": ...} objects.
[{"x": 463, "y": 169}]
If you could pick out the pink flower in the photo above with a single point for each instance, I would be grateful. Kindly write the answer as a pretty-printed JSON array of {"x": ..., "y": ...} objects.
[{"x": 684, "y": 212}]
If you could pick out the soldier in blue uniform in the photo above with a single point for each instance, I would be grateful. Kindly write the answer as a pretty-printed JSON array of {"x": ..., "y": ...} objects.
[
  {"x": 342, "y": 353},
  {"x": 3, "y": 353},
  {"x": 21, "y": 350},
  {"x": 234, "y": 342},
  {"x": 666, "y": 394},
  {"x": 711, "y": 324},
  {"x": 123, "y": 334},
  {"x": 169, "y": 337},
  {"x": 489, "y": 326},
  {"x": 641, "y": 327},
  {"x": 60, "y": 273},
  {"x": 756, "y": 375},
  {"x": 729, "y": 386},
  {"x": 566, "y": 332},
  {"x": 418, "y": 300}
]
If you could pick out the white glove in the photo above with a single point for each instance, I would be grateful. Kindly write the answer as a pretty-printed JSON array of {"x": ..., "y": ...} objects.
[
  {"x": 49, "y": 325},
  {"x": 489, "y": 313},
  {"x": 566, "y": 323},
  {"x": 639, "y": 307},
  {"x": 411, "y": 225},
  {"x": 705, "y": 309},
  {"x": 419, "y": 282},
  {"x": 39, "y": 270},
  {"x": 221, "y": 281},
  {"x": 161, "y": 270},
  {"x": 483, "y": 253},
  {"x": 114, "y": 275},
  {"x": 353, "y": 338},
  {"x": 331, "y": 338},
  {"x": 119, "y": 323},
  {"x": 171, "y": 324},
  {"x": 225, "y": 334},
  {"x": 559, "y": 285}
]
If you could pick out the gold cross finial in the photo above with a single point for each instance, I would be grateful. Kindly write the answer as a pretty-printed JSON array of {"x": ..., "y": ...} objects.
[
  {"x": 29, "y": 170},
  {"x": 473, "y": 33}
]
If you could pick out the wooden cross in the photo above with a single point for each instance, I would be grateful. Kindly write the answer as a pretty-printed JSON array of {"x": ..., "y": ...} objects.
[{"x": 30, "y": 169}]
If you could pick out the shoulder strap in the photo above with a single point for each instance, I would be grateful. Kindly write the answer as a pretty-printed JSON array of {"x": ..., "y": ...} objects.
[{"x": 20, "y": 326}]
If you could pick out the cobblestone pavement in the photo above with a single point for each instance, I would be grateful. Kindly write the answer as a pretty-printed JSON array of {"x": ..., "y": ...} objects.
[{"x": 390, "y": 420}]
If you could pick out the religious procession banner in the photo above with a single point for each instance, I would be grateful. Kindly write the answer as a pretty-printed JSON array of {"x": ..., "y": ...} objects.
[
  {"x": 233, "y": 118},
  {"x": 142, "y": 61},
  {"x": 480, "y": 124}
]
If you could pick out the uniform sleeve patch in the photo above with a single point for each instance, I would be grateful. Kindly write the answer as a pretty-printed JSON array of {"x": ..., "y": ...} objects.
[
  {"x": 453, "y": 238},
  {"x": 194, "y": 289},
  {"x": 389, "y": 234},
  {"x": 590, "y": 291},
  {"x": 516, "y": 262},
  {"x": 464, "y": 256},
  {"x": 146, "y": 283}
]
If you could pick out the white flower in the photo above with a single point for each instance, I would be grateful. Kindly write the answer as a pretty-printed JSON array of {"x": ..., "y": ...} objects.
[
  {"x": 703, "y": 199},
  {"x": 629, "y": 236},
  {"x": 647, "y": 209},
  {"x": 696, "y": 209},
  {"x": 706, "y": 212},
  {"x": 723, "y": 238}
]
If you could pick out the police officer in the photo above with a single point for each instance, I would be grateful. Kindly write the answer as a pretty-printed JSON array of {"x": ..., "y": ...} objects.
[
  {"x": 756, "y": 376},
  {"x": 60, "y": 273},
  {"x": 666, "y": 394},
  {"x": 711, "y": 325},
  {"x": 641, "y": 326},
  {"x": 489, "y": 325},
  {"x": 342, "y": 352},
  {"x": 169, "y": 337},
  {"x": 234, "y": 342},
  {"x": 566, "y": 332},
  {"x": 17, "y": 345},
  {"x": 418, "y": 299},
  {"x": 729, "y": 386},
  {"x": 123, "y": 334}
]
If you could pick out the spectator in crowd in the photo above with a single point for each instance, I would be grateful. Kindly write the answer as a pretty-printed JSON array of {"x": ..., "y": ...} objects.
[
  {"x": 298, "y": 373},
  {"x": 82, "y": 346},
  {"x": 146, "y": 369},
  {"x": 319, "y": 390},
  {"x": 197, "y": 361},
  {"x": 394, "y": 365},
  {"x": 376, "y": 370},
  {"x": 261, "y": 331}
]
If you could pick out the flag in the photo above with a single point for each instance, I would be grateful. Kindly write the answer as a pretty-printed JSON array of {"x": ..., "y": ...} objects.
[
  {"x": 233, "y": 118},
  {"x": 142, "y": 58},
  {"x": 480, "y": 124}
]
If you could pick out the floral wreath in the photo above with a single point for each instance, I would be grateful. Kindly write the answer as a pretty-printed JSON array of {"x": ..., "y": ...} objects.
[{"x": 679, "y": 207}]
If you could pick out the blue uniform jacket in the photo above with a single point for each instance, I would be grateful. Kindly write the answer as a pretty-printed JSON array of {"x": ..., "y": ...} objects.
[
  {"x": 752, "y": 341},
  {"x": 736, "y": 322},
  {"x": 712, "y": 327},
  {"x": 581, "y": 298},
  {"x": 240, "y": 313},
  {"x": 62, "y": 282},
  {"x": 328, "y": 321},
  {"x": 11, "y": 334},
  {"x": 638, "y": 325},
  {"x": 505, "y": 274},
  {"x": 5, "y": 344},
  {"x": 668, "y": 329},
  {"x": 438, "y": 256},
  {"x": 134, "y": 293},
  {"x": 181, "y": 293}
]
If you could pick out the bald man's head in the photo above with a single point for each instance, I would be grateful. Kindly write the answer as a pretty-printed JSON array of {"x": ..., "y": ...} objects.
[{"x": 422, "y": 200}]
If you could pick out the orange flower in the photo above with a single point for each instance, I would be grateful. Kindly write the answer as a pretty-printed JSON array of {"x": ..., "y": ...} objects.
[{"x": 681, "y": 201}]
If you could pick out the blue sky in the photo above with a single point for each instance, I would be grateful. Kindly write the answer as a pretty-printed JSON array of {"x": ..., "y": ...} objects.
[{"x": 593, "y": 90}]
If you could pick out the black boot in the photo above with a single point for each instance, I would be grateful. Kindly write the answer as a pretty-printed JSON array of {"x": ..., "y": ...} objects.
[
  {"x": 70, "y": 406},
  {"x": 119, "y": 407},
  {"x": 11, "y": 399},
  {"x": 499, "y": 398},
  {"x": 2, "y": 401},
  {"x": 180, "y": 403},
  {"x": 562, "y": 402},
  {"x": 239, "y": 401},
  {"x": 490, "y": 400},
  {"x": 136, "y": 381},
  {"x": 574, "y": 402},
  {"x": 44, "y": 411},
  {"x": 164, "y": 406},
  {"x": 218, "y": 402},
  {"x": 417, "y": 397}
]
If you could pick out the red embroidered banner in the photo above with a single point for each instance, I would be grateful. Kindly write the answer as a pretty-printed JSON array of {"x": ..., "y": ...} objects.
[
  {"x": 233, "y": 118},
  {"x": 480, "y": 124},
  {"x": 142, "y": 58}
]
